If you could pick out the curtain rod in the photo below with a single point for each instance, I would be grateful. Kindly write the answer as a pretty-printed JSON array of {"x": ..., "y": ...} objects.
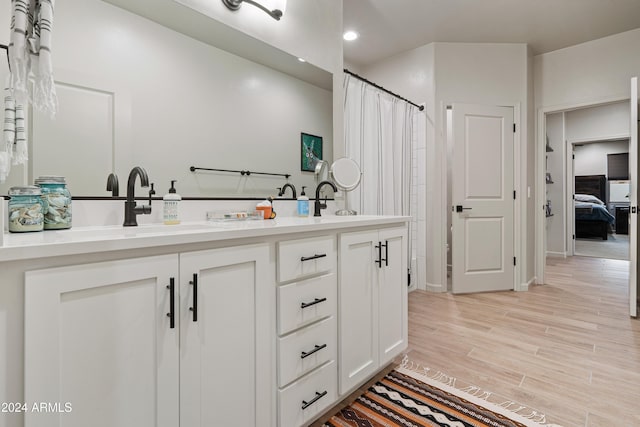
[{"x": 420, "y": 107}]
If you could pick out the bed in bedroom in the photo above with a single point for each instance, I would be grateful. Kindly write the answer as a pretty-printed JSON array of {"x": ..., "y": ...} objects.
[{"x": 591, "y": 214}]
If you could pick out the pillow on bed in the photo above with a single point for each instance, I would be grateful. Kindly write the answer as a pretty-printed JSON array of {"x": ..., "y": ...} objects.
[{"x": 588, "y": 198}]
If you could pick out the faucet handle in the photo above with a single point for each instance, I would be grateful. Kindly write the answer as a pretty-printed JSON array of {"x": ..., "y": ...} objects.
[
  {"x": 279, "y": 191},
  {"x": 151, "y": 193}
]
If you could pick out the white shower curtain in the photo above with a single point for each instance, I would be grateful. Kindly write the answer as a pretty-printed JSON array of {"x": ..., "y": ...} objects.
[{"x": 379, "y": 136}]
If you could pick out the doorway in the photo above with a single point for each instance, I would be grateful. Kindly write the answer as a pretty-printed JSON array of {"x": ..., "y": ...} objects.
[
  {"x": 587, "y": 183},
  {"x": 587, "y": 157}
]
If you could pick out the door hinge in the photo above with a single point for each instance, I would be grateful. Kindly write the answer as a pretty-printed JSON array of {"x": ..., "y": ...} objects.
[
  {"x": 573, "y": 156},
  {"x": 514, "y": 194},
  {"x": 574, "y": 237},
  {"x": 514, "y": 260},
  {"x": 449, "y": 107},
  {"x": 514, "y": 128},
  {"x": 573, "y": 197}
]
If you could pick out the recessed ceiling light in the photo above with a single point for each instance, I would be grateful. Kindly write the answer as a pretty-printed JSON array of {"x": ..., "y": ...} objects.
[
  {"x": 301, "y": 60},
  {"x": 350, "y": 35}
]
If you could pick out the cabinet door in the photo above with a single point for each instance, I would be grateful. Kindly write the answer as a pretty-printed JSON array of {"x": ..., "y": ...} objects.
[
  {"x": 393, "y": 294},
  {"x": 227, "y": 337},
  {"x": 97, "y": 336},
  {"x": 358, "y": 308}
]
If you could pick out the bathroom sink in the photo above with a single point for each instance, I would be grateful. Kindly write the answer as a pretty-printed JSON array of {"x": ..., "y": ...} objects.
[{"x": 143, "y": 229}]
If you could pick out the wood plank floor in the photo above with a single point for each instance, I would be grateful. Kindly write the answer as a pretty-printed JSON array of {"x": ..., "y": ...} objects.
[{"x": 567, "y": 348}]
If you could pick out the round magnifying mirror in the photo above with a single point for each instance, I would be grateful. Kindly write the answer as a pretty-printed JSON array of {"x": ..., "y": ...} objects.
[{"x": 345, "y": 173}]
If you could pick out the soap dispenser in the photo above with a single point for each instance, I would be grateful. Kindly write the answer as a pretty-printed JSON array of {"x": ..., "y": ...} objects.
[
  {"x": 171, "y": 202},
  {"x": 303, "y": 203}
]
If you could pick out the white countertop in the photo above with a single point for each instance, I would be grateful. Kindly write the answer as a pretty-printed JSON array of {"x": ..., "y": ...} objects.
[{"x": 83, "y": 240}]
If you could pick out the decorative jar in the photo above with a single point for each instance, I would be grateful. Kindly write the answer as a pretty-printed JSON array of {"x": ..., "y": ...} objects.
[
  {"x": 26, "y": 209},
  {"x": 57, "y": 202}
]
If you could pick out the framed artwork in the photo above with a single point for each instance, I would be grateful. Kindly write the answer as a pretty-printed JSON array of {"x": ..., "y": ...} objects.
[{"x": 310, "y": 151}]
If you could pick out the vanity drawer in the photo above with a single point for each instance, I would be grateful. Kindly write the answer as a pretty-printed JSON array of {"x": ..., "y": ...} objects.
[
  {"x": 321, "y": 385},
  {"x": 305, "y": 302},
  {"x": 306, "y": 257},
  {"x": 306, "y": 349}
]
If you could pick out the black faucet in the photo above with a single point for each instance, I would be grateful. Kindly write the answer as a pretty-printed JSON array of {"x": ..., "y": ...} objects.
[
  {"x": 112, "y": 185},
  {"x": 130, "y": 208},
  {"x": 284, "y": 188},
  {"x": 318, "y": 205}
]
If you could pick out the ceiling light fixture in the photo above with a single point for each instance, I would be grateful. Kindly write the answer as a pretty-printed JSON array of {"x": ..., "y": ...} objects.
[
  {"x": 350, "y": 35},
  {"x": 276, "y": 11}
]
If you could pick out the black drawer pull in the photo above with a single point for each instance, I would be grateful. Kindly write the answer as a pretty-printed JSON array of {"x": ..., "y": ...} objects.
[
  {"x": 194, "y": 308},
  {"x": 309, "y": 258},
  {"x": 314, "y": 302},
  {"x": 172, "y": 303},
  {"x": 316, "y": 349},
  {"x": 319, "y": 396}
]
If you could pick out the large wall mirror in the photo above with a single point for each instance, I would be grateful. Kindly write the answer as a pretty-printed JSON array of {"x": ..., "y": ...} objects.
[{"x": 133, "y": 92}]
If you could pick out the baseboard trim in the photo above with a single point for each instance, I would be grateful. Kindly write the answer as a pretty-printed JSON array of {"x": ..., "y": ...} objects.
[
  {"x": 525, "y": 286},
  {"x": 432, "y": 287},
  {"x": 557, "y": 254}
]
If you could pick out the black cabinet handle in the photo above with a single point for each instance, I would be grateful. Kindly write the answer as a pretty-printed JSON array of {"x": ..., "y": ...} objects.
[
  {"x": 379, "y": 247},
  {"x": 172, "y": 303},
  {"x": 319, "y": 396},
  {"x": 316, "y": 256},
  {"x": 317, "y": 348},
  {"x": 314, "y": 302},
  {"x": 194, "y": 308},
  {"x": 386, "y": 252}
]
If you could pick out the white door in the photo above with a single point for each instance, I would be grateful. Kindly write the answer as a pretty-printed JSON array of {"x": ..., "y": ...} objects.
[
  {"x": 633, "y": 202},
  {"x": 98, "y": 342},
  {"x": 227, "y": 333},
  {"x": 483, "y": 198}
]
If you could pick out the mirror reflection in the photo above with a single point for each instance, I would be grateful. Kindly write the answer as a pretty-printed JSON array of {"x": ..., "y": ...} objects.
[{"x": 134, "y": 93}]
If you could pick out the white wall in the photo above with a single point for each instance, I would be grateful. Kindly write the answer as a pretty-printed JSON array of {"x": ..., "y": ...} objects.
[
  {"x": 490, "y": 74},
  {"x": 190, "y": 103},
  {"x": 443, "y": 73},
  {"x": 555, "y": 162},
  {"x": 591, "y": 159},
  {"x": 309, "y": 29},
  {"x": 598, "y": 123},
  {"x": 589, "y": 72}
]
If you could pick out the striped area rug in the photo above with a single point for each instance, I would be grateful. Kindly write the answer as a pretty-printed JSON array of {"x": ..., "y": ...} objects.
[{"x": 408, "y": 398}]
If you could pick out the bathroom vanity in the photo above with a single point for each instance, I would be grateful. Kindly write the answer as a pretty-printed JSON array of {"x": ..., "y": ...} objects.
[{"x": 254, "y": 323}]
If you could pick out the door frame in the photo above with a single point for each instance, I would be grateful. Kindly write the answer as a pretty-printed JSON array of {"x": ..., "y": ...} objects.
[
  {"x": 519, "y": 184},
  {"x": 540, "y": 175}
]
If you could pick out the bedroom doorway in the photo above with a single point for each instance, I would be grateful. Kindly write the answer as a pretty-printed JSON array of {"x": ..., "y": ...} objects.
[
  {"x": 606, "y": 128},
  {"x": 601, "y": 188},
  {"x": 586, "y": 157}
]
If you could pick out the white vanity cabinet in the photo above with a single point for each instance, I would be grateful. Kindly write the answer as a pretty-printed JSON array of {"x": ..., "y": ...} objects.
[
  {"x": 307, "y": 328},
  {"x": 227, "y": 320},
  {"x": 263, "y": 324},
  {"x": 97, "y": 337},
  {"x": 126, "y": 349},
  {"x": 373, "y": 302}
]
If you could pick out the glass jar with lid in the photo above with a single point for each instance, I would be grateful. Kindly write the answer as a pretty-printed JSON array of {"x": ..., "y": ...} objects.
[
  {"x": 57, "y": 202},
  {"x": 26, "y": 209}
]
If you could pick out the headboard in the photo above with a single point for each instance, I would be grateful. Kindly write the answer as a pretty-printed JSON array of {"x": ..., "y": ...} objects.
[{"x": 595, "y": 185}]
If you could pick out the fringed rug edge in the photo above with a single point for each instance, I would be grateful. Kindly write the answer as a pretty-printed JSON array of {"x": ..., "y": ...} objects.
[{"x": 508, "y": 408}]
